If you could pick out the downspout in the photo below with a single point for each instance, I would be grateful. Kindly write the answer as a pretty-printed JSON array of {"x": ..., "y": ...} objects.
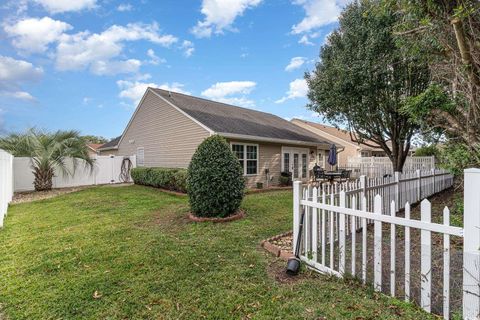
[{"x": 338, "y": 151}]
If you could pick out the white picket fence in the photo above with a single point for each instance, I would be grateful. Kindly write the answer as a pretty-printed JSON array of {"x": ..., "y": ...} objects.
[
  {"x": 329, "y": 225},
  {"x": 400, "y": 187},
  {"x": 6, "y": 183},
  {"x": 376, "y": 167},
  {"x": 106, "y": 170}
]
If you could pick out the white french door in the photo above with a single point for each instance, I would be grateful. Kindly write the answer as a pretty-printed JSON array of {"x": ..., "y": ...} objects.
[{"x": 295, "y": 161}]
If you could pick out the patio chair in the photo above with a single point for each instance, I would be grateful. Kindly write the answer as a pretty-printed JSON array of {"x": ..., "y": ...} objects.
[
  {"x": 345, "y": 176},
  {"x": 318, "y": 174}
]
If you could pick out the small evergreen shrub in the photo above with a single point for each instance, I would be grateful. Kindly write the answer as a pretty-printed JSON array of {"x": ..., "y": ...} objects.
[
  {"x": 215, "y": 180},
  {"x": 166, "y": 178}
]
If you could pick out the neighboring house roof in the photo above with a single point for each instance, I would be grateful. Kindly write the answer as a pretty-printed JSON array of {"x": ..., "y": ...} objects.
[
  {"x": 94, "y": 146},
  {"x": 112, "y": 144},
  {"x": 235, "y": 122},
  {"x": 344, "y": 135}
]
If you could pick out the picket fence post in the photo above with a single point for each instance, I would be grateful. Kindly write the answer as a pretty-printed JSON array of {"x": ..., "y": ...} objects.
[
  {"x": 363, "y": 187},
  {"x": 297, "y": 192},
  {"x": 471, "y": 245},
  {"x": 377, "y": 246},
  {"x": 397, "y": 190},
  {"x": 419, "y": 185}
]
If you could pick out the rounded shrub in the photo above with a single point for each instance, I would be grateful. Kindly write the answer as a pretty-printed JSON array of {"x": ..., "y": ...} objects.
[{"x": 215, "y": 180}]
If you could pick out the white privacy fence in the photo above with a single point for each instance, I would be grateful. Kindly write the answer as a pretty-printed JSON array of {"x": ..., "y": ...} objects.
[
  {"x": 330, "y": 244},
  {"x": 6, "y": 183},
  {"x": 106, "y": 169},
  {"x": 381, "y": 166}
]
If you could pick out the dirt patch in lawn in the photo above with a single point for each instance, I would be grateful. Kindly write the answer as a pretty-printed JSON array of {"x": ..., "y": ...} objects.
[
  {"x": 276, "y": 271},
  {"x": 168, "y": 220}
]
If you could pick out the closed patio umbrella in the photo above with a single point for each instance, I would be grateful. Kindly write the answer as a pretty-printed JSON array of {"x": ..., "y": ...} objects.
[{"x": 332, "y": 155}]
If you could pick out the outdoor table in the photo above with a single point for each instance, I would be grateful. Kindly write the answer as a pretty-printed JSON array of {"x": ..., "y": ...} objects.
[{"x": 332, "y": 175}]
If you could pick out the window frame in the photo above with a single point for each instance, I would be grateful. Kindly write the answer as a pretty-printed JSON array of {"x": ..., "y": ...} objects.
[
  {"x": 245, "y": 159},
  {"x": 136, "y": 157}
]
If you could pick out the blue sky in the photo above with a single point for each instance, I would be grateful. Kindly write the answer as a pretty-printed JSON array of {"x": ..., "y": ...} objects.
[{"x": 84, "y": 64}]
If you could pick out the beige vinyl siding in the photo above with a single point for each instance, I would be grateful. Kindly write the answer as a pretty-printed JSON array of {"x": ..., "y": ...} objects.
[
  {"x": 269, "y": 157},
  {"x": 350, "y": 150},
  {"x": 169, "y": 137}
]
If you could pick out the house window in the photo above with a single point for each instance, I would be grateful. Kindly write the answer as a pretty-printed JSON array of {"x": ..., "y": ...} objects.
[
  {"x": 286, "y": 162},
  {"x": 140, "y": 157},
  {"x": 247, "y": 154},
  {"x": 365, "y": 154},
  {"x": 304, "y": 165}
]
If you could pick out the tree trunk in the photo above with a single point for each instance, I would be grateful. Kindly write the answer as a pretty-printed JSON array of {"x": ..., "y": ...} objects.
[
  {"x": 43, "y": 179},
  {"x": 399, "y": 155}
]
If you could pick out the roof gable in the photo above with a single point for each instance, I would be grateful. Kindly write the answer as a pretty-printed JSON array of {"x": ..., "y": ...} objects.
[{"x": 344, "y": 135}]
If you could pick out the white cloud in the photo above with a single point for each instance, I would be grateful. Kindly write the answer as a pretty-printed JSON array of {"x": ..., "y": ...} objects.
[
  {"x": 232, "y": 92},
  {"x": 222, "y": 89},
  {"x": 96, "y": 51},
  {"x": 298, "y": 88},
  {"x": 13, "y": 73},
  {"x": 58, "y": 6},
  {"x": 124, "y": 7},
  {"x": 154, "y": 59},
  {"x": 115, "y": 67},
  {"x": 134, "y": 90},
  {"x": 34, "y": 35},
  {"x": 295, "y": 63},
  {"x": 318, "y": 13},
  {"x": 188, "y": 48},
  {"x": 20, "y": 95},
  {"x": 220, "y": 15},
  {"x": 306, "y": 41}
]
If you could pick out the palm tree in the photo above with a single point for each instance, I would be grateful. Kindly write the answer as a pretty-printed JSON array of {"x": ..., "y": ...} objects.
[{"x": 48, "y": 151}]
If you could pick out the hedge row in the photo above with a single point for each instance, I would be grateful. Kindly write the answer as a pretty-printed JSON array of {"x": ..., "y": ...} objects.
[{"x": 165, "y": 178}]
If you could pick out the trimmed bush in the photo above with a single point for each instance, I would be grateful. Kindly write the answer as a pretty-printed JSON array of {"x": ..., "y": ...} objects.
[
  {"x": 215, "y": 179},
  {"x": 166, "y": 178}
]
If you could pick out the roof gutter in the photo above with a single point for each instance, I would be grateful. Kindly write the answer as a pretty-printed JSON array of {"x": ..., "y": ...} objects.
[{"x": 275, "y": 140}]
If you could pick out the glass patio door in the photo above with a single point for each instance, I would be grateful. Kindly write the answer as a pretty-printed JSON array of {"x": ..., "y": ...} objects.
[{"x": 295, "y": 162}]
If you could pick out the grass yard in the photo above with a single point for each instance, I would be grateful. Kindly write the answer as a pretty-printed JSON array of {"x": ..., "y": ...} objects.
[{"x": 129, "y": 253}]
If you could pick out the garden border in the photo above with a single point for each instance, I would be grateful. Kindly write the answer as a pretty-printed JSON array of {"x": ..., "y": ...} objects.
[{"x": 276, "y": 250}]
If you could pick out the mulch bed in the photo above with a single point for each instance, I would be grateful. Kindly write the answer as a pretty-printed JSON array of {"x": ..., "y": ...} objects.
[
  {"x": 237, "y": 216},
  {"x": 21, "y": 197},
  {"x": 29, "y": 196}
]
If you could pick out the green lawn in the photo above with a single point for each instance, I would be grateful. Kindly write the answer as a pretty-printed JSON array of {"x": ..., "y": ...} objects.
[{"x": 135, "y": 249}]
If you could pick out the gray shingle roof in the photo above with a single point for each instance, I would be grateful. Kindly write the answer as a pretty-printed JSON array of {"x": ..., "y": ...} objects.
[
  {"x": 111, "y": 144},
  {"x": 224, "y": 118}
]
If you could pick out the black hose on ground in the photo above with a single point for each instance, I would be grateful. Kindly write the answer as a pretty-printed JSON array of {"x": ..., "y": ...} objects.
[{"x": 125, "y": 170}]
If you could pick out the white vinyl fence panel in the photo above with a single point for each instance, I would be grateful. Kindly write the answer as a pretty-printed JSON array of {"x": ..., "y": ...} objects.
[
  {"x": 377, "y": 167},
  {"x": 107, "y": 169},
  {"x": 6, "y": 183},
  {"x": 329, "y": 217}
]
